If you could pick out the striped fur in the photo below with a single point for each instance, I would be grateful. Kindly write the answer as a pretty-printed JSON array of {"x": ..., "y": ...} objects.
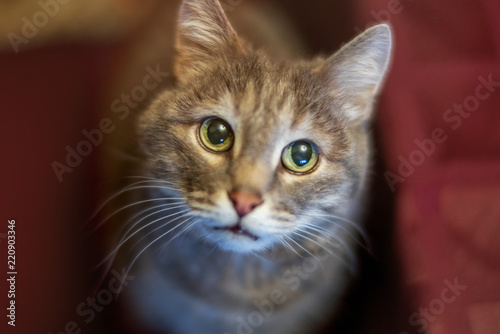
[{"x": 205, "y": 280}]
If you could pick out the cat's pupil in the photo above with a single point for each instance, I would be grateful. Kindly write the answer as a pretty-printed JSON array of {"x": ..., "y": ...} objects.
[
  {"x": 301, "y": 153},
  {"x": 217, "y": 132}
]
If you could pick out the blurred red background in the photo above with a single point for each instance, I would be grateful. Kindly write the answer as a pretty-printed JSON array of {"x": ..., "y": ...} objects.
[{"x": 435, "y": 225}]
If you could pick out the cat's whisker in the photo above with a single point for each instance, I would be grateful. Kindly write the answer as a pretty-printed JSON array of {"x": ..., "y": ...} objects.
[
  {"x": 316, "y": 243},
  {"x": 149, "y": 215},
  {"x": 176, "y": 202},
  {"x": 148, "y": 178},
  {"x": 153, "y": 180},
  {"x": 358, "y": 229},
  {"x": 337, "y": 239},
  {"x": 288, "y": 246},
  {"x": 133, "y": 186},
  {"x": 319, "y": 237},
  {"x": 144, "y": 180},
  {"x": 193, "y": 222},
  {"x": 261, "y": 257},
  {"x": 335, "y": 243},
  {"x": 302, "y": 247},
  {"x": 352, "y": 260},
  {"x": 168, "y": 208},
  {"x": 126, "y": 238},
  {"x": 109, "y": 199},
  {"x": 321, "y": 230},
  {"x": 159, "y": 227},
  {"x": 328, "y": 234},
  {"x": 207, "y": 254},
  {"x": 338, "y": 220},
  {"x": 110, "y": 259},
  {"x": 144, "y": 211},
  {"x": 145, "y": 248}
]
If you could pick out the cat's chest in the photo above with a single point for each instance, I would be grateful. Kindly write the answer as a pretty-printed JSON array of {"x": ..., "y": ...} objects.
[
  {"x": 227, "y": 279},
  {"x": 218, "y": 288}
]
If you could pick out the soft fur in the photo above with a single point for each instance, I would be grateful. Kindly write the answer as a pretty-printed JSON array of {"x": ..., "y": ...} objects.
[{"x": 289, "y": 280}]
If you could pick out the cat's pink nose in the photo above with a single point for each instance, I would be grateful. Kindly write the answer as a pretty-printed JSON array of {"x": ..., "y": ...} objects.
[{"x": 244, "y": 202}]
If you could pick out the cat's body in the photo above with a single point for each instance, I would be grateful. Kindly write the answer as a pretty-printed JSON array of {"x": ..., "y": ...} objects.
[
  {"x": 261, "y": 166},
  {"x": 236, "y": 293}
]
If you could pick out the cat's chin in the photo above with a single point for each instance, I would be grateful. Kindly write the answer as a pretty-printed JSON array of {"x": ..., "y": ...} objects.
[
  {"x": 239, "y": 242},
  {"x": 241, "y": 247}
]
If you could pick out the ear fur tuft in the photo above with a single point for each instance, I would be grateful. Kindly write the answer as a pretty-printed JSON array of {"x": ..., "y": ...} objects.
[
  {"x": 203, "y": 31},
  {"x": 358, "y": 69}
]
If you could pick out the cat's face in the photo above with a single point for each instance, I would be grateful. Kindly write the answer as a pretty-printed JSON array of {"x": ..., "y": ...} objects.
[{"x": 258, "y": 149}]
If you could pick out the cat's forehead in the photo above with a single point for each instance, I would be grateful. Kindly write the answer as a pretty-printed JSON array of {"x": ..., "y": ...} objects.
[
  {"x": 256, "y": 89},
  {"x": 267, "y": 114},
  {"x": 267, "y": 105}
]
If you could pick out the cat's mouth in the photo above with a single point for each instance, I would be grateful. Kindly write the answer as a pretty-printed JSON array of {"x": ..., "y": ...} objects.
[{"x": 238, "y": 230}]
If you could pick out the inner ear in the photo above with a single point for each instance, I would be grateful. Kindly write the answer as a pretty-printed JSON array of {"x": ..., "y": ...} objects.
[
  {"x": 203, "y": 32},
  {"x": 356, "y": 72}
]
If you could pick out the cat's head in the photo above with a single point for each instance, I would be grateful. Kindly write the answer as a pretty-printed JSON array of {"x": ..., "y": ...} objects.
[{"x": 258, "y": 148}]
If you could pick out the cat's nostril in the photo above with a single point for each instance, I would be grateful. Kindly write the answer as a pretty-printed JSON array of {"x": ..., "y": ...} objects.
[{"x": 244, "y": 202}]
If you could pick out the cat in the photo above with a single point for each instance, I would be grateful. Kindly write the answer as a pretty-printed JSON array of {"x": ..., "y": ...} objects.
[{"x": 254, "y": 171}]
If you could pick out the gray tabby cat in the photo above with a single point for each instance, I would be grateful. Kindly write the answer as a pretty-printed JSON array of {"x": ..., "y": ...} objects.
[{"x": 256, "y": 168}]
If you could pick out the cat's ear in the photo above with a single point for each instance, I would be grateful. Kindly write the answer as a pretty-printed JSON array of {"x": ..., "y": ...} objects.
[
  {"x": 203, "y": 32},
  {"x": 356, "y": 72}
]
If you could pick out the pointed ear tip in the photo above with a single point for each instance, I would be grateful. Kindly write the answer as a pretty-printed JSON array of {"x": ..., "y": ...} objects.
[
  {"x": 188, "y": 7},
  {"x": 385, "y": 25},
  {"x": 382, "y": 30},
  {"x": 381, "y": 34}
]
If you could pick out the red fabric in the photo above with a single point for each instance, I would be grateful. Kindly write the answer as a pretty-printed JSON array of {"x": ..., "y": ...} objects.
[{"x": 445, "y": 164}]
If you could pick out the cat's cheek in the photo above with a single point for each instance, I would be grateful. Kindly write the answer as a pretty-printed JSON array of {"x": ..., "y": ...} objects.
[
  {"x": 260, "y": 223},
  {"x": 212, "y": 160},
  {"x": 220, "y": 217}
]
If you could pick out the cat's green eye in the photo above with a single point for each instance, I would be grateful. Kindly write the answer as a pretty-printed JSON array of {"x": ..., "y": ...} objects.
[
  {"x": 300, "y": 157},
  {"x": 216, "y": 135}
]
